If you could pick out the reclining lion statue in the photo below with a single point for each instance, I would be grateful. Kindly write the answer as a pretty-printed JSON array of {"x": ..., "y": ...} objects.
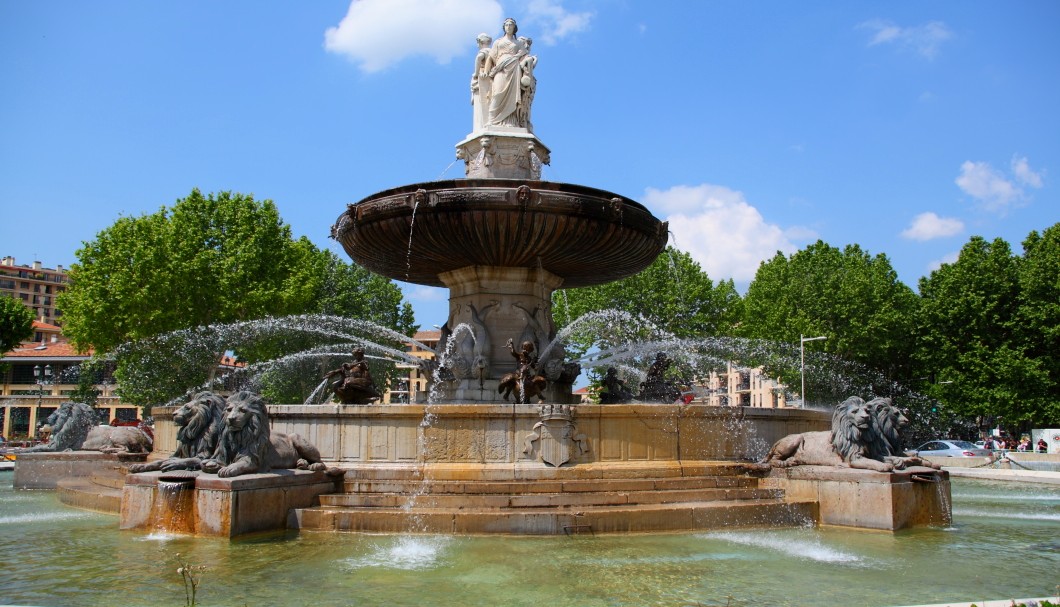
[
  {"x": 118, "y": 439},
  {"x": 889, "y": 446},
  {"x": 247, "y": 446},
  {"x": 69, "y": 424},
  {"x": 199, "y": 427},
  {"x": 852, "y": 442}
]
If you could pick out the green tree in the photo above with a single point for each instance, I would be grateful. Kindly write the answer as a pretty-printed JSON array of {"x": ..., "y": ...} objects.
[
  {"x": 673, "y": 293},
  {"x": 853, "y": 298},
  {"x": 1038, "y": 319},
  {"x": 16, "y": 323},
  {"x": 988, "y": 331},
  {"x": 208, "y": 259},
  {"x": 967, "y": 312}
]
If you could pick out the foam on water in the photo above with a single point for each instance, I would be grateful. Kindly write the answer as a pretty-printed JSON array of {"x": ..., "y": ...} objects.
[
  {"x": 1018, "y": 497},
  {"x": 802, "y": 546},
  {"x": 405, "y": 552},
  {"x": 40, "y": 517}
]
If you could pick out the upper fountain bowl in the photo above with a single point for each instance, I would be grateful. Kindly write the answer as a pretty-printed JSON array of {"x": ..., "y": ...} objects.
[{"x": 583, "y": 235}]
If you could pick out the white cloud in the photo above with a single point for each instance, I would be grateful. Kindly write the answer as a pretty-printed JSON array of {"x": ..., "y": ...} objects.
[
  {"x": 948, "y": 258},
  {"x": 553, "y": 21},
  {"x": 1024, "y": 174},
  {"x": 379, "y": 33},
  {"x": 928, "y": 226},
  {"x": 923, "y": 39},
  {"x": 993, "y": 190},
  {"x": 721, "y": 230}
]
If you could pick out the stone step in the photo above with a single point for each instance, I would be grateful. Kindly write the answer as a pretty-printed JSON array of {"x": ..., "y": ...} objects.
[
  {"x": 82, "y": 492},
  {"x": 684, "y": 516},
  {"x": 546, "y": 486},
  {"x": 542, "y": 500},
  {"x": 536, "y": 471}
]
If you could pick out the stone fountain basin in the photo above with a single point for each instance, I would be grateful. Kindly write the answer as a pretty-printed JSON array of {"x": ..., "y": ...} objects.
[{"x": 583, "y": 235}]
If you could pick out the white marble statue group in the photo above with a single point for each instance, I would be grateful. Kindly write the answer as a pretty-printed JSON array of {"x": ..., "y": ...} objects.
[{"x": 503, "y": 84}]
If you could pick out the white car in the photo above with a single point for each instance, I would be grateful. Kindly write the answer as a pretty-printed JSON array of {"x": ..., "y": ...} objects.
[{"x": 951, "y": 448}]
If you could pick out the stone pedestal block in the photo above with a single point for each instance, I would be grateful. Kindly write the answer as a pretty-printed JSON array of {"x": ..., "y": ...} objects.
[
  {"x": 503, "y": 153},
  {"x": 869, "y": 500},
  {"x": 45, "y": 470},
  {"x": 224, "y": 507}
]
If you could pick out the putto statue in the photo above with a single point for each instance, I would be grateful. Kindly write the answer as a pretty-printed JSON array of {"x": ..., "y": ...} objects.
[
  {"x": 615, "y": 390},
  {"x": 199, "y": 424},
  {"x": 525, "y": 381},
  {"x": 480, "y": 85},
  {"x": 246, "y": 444},
  {"x": 656, "y": 388},
  {"x": 354, "y": 385}
]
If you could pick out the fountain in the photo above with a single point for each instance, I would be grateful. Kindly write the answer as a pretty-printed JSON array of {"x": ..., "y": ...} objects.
[{"x": 472, "y": 461}]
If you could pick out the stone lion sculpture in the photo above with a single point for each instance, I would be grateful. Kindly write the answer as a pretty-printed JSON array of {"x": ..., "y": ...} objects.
[
  {"x": 199, "y": 424},
  {"x": 890, "y": 421},
  {"x": 69, "y": 424},
  {"x": 851, "y": 443},
  {"x": 118, "y": 439},
  {"x": 247, "y": 446}
]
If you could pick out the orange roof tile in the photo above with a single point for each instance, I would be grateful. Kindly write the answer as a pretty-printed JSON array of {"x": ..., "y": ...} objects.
[
  {"x": 427, "y": 335},
  {"x": 59, "y": 349},
  {"x": 45, "y": 326}
]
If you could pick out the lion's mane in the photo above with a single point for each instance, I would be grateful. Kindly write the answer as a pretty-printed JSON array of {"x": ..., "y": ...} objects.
[
  {"x": 204, "y": 416},
  {"x": 848, "y": 440},
  {"x": 70, "y": 424},
  {"x": 249, "y": 444}
]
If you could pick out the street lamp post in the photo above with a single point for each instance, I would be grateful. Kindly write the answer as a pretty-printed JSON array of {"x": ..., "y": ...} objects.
[
  {"x": 802, "y": 363},
  {"x": 42, "y": 378}
]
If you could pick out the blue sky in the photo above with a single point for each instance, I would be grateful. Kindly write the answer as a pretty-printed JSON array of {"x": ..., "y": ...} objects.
[{"x": 905, "y": 127}]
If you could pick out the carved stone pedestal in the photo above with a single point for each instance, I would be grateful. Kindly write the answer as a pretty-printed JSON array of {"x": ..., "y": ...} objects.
[{"x": 504, "y": 153}]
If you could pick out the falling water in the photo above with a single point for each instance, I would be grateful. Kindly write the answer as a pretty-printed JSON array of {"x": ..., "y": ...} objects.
[{"x": 173, "y": 509}]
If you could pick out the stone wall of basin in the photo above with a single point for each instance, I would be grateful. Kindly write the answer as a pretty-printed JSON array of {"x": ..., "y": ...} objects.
[{"x": 518, "y": 434}]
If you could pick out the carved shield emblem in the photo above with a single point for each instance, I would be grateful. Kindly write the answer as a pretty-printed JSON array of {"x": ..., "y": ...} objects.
[{"x": 555, "y": 442}]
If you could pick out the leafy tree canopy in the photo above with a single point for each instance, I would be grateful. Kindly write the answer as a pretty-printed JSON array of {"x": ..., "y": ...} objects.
[
  {"x": 988, "y": 330},
  {"x": 673, "y": 293},
  {"x": 853, "y": 298},
  {"x": 208, "y": 259},
  {"x": 16, "y": 323}
]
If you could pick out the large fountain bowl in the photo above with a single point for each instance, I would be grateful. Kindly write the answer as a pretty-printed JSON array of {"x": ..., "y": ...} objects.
[{"x": 583, "y": 235}]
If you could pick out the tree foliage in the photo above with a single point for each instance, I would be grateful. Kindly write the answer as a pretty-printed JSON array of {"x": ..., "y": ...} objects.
[
  {"x": 16, "y": 323},
  {"x": 673, "y": 293},
  {"x": 853, "y": 298},
  {"x": 208, "y": 259},
  {"x": 988, "y": 330}
]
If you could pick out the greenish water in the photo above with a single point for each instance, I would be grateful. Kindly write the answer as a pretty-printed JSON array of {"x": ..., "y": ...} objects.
[{"x": 1005, "y": 542}]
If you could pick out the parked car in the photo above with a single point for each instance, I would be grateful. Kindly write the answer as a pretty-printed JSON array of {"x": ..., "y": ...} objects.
[{"x": 951, "y": 448}]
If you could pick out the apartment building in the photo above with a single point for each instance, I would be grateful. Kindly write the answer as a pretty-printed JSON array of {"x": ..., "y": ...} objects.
[{"x": 36, "y": 286}]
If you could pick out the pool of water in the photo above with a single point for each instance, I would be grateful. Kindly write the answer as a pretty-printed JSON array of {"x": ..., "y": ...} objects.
[{"x": 1004, "y": 542}]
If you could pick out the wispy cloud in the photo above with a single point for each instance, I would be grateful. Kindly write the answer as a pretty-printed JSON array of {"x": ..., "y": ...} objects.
[
  {"x": 554, "y": 22},
  {"x": 925, "y": 39},
  {"x": 377, "y": 34},
  {"x": 995, "y": 191},
  {"x": 948, "y": 258},
  {"x": 929, "y": 226},
  {"x": 721, "y": 230}
]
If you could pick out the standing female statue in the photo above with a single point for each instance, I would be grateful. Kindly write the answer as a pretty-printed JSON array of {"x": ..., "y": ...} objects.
[{"x": 505, "y": 69}]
